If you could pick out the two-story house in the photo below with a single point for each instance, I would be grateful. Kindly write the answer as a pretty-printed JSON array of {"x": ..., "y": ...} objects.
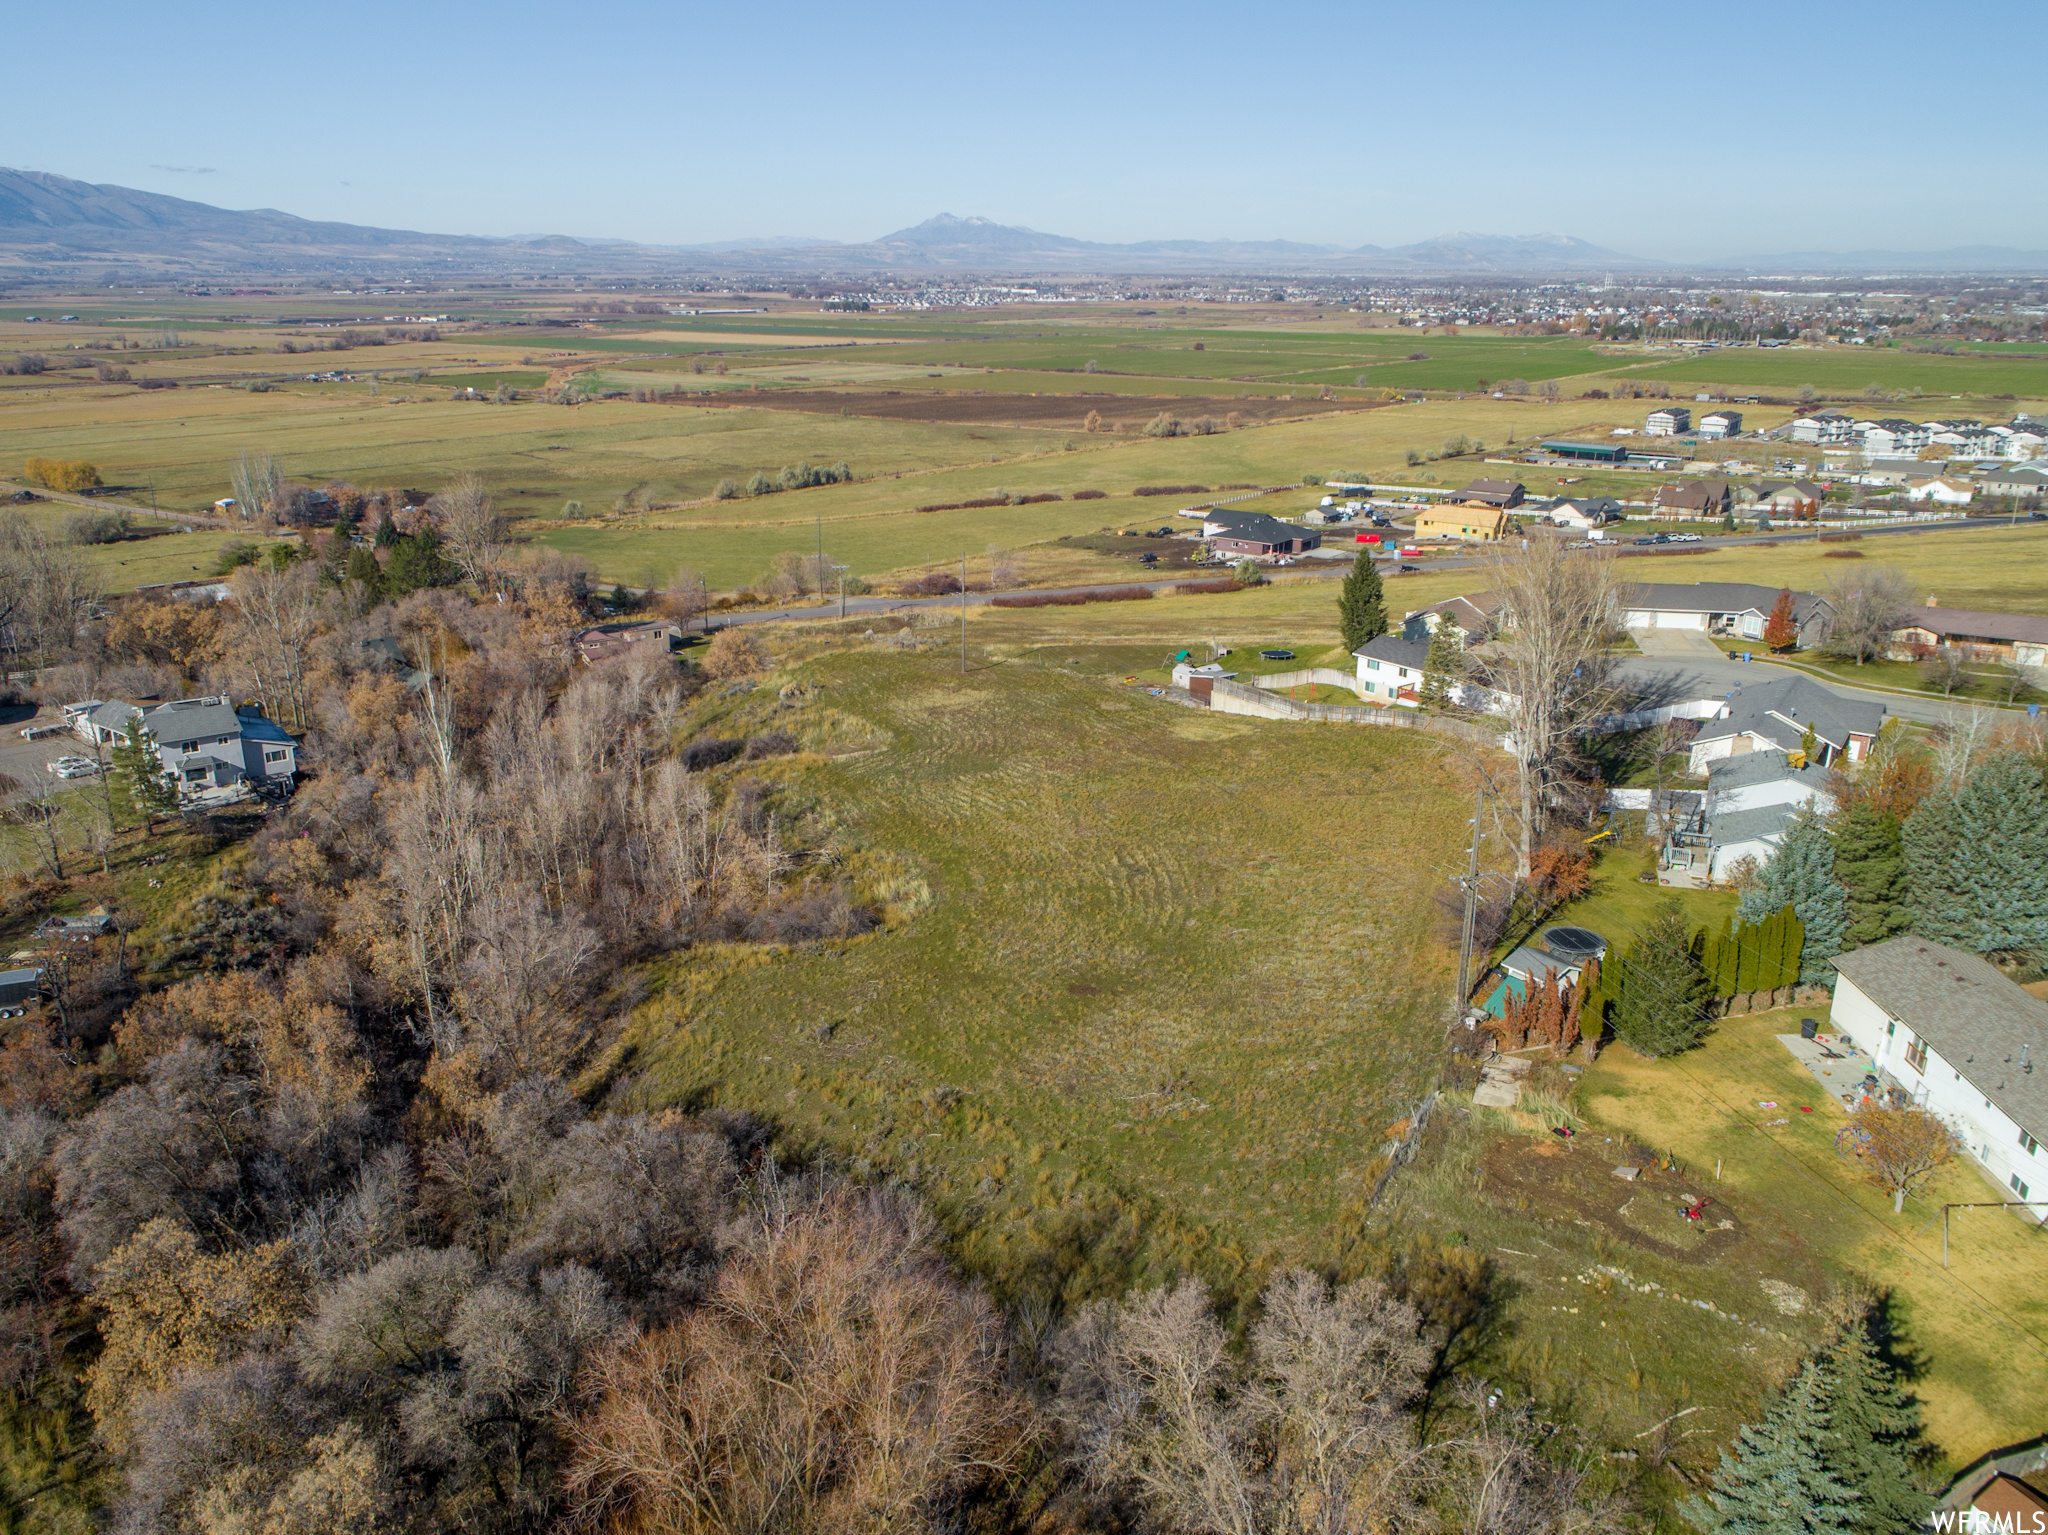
[
  {"x": 204, "y": 743},
  {"x": 1967, "y": 1043}
]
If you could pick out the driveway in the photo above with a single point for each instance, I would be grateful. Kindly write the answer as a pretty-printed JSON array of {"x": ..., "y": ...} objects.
[{"x": 1675, "y": 643}]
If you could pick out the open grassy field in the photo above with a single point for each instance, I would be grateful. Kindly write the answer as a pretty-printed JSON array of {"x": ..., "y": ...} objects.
[{"x": 1117, "y": 988}]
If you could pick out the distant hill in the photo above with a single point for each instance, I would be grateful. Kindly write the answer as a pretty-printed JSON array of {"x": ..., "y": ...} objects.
[{"x": 49, "y": 224}]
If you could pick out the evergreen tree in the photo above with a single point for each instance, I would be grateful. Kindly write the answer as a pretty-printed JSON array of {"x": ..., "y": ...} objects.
[
  {"x": 1660, "y": 993},
  {"x": 1782, "y": 1479},
  {"x": 387, "y": 534},
  {"x": 1802, "y": 876},
  {"x": 1877, "y": 1445},
  {"x": 416, "y": 563},
  {"x": 1443, "y": 668},
  {"x": 1871, "y": 869},
  {"x": 1361, "y": 605},
  {"x": 364, "y": 571},
  {"x": 1976, "y": 861},
  {"x": 140, "y": 768}
]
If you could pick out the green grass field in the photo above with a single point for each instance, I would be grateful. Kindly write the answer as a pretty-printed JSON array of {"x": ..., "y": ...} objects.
[{"x": 1115, "y": 986}]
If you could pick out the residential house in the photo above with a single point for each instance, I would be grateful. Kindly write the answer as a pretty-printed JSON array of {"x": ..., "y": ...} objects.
[
  {"x": 1471, "y": 522},
  {"x": 204, "y": 743},
  {"x": 2024, "y": 438},
  {"x": 1692, "y": 498},
  {"x": 1941, "y": 490},
  {"x": 1716, "y": 424},
  {"x": 1968, "y": 1044},
  {"x": 1786, "y": 498},
  {"x": 2024, "y": 481},
  {"x": 1779, "y": 714},
  {"x": 1583, "y": 512},
  {"x": 2021, "y": 638},
  {"x": 1668, "y": 422},
  {"x": 1501, "y": 493},
  {"x": 1255, "y": 534},
  {"x": 1471, "y": 620},
  {"x": 1750, "y": 801},
  {"x": 1738, "y": 609},
  {"x": 607, "y": 641},
  {"x": 1390, "y": 669},
  {"x": 1823, "y": 426},
  {"x": 1894, "y": 471}
]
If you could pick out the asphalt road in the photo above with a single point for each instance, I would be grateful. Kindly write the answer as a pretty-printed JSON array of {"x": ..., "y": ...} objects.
[{"x": 1667, "y": 679}]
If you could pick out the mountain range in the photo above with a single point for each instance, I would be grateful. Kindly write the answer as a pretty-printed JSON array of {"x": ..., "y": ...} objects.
[{"x": 50, "y": 224}]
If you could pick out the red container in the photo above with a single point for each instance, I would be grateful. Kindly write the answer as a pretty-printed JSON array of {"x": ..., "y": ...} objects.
[{"x": 1368, "y": 538}]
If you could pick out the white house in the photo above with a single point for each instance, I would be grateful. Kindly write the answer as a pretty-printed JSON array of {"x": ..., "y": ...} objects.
[
  {"x": 1582, "y": 512},
  {"x": 1823, "y": 426},
  {"x": 1668, "y": 422},
  {"x": 1390, "y": 667},
  {"x": 1941, "y": 490},
  {"x": 1779, "y": 714},
  {"x": 1716, "y": 424},
  {"x": 1968, "y": 1044},
  {"x": 204, "y": 743}
]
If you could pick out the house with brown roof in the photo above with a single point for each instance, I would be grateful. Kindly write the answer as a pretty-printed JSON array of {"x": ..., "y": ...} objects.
[
  {"x": 1787, "y": 498},
  {"x": 1692, "y": 498},
  {"x": 1470, "y": 620},
  {"x": 2020, "y": 638},
  {"x": 608, "y": 640}
]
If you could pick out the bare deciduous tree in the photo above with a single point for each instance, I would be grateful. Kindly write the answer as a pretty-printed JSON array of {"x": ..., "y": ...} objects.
[
  {"x": 1560, "y": 612},
  {"x": 1868, "y": 605},
  {"x": 1312, "y": 1436},
  {"x": 837, "y": 1377},
  {"x": 277, "y": 612},
  {"x": 258, "y": 481},
  {"x": 472, "y": 530}
]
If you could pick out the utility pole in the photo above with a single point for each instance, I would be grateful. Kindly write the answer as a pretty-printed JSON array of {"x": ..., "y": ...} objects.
[
  {"x": 963, "y": 615},
  {"x": 1471, "y": 883}
]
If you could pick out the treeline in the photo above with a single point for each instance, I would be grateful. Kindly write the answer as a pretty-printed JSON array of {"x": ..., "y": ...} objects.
[{"x": 791, "y": 477}]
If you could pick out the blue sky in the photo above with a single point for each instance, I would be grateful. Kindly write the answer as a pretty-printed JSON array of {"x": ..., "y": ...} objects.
[{"x": 1658, "y": 132}]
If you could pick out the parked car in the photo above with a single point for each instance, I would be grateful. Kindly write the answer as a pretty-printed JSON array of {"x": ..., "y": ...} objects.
[
  {"x": 1148, "y": 558},
  {"x": 1276, "y": 655},
  {"x": 74, "y": 767},
  {"x": 1645, "y": 539},
  {"x": 1685, "y": 538}
]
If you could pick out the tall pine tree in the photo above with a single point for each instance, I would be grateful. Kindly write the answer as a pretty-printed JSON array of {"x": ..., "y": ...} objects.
[
  {"x": 139, "y": 769},
  {"x": 1659, "y": 990},
  {"x": 1781, "y": 1480},
  {"x": 1361, "y": 605},
  {"x": 1802, "y": 876},
  {"x": 1444, "y": 668},
  {"x": 1976, "y": 861},
  {"x": 1871, "y": 869},
  {"x": 1877, "y": 1447}
]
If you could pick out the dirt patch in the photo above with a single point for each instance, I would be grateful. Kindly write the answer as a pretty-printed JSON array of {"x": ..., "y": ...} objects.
[
  {"x": 995, "y": 408},
  {"x": 1174, "y": 556},
  {"x": 1574, "y": 1181}
]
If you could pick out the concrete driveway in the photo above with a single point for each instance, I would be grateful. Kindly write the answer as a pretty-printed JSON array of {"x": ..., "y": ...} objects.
[{"x": 1675, "y": 644}]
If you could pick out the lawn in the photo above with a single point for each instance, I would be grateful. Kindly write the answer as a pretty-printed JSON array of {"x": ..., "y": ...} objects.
[
  {"x": 1113, "y": 995},
  {"x": 1981, "y": 1326}
]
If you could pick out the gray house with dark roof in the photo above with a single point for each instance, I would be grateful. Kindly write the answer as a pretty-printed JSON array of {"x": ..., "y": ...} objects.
[
  {"x": 1779, "y": 714},
  {"x": 1738, "y": 609},
  {"x": 205, "y": 743},
  {"x": 1965, "y": 1042}
]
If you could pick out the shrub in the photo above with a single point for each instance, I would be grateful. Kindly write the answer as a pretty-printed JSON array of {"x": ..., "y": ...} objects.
[
  {"x": 1171, "y": 490},
  {"x": 1199, "y": 588},
  {"x": 761, "y": 485},
  {"x": 26, "y": 363},
  {"x": 727, "y": 490},
  {"x": 234, "y": 556},
  {"x": 1163, "y": 425},
  {"x": 771, "y": 743},
  {"x": 67, "y": 474},
  {"x": 96, "y": 527},
  {"x": 710, "y": 751},
  {"x": 108, "y": 373},
  {"x": 1246, "y": 573},
  {"x": 1072, "y": 599},
  {"x": 937, "y": 583},
  {"x": 156, "y": 383},
  {"x": 1090, "y": 495},
  {"x": 733, "y": 653}
]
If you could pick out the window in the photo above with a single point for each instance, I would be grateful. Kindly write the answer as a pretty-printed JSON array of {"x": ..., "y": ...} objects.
[
  {"x": 1916, "y": 1055},
  {"x": 2029, "y": 1142},
  {"x": 2018, "y": 1187},
  {"x": 1372, "y": 666},
  {"x": 275, "y": 754}
]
